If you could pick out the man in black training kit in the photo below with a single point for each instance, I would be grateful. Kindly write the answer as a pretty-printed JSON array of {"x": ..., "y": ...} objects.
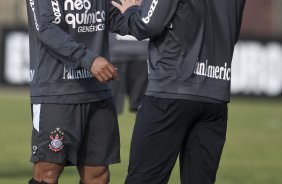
[
  {"x": 185, "y": 109},
  {"x": 74, "y": 118}
]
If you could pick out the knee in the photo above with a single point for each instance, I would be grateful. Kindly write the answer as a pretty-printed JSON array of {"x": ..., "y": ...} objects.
[
  {"x": 98, "y": 176},
  {"x": 50, "y": 177},
  {"x": 48, "y": 173}
]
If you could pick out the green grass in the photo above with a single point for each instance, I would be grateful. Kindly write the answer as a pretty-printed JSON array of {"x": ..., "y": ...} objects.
[{"x": 252, "y": 155}]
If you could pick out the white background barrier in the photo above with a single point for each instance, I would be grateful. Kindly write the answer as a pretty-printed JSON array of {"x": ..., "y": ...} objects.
[
  {"x": 257, "y": 68},
  {"x": 16, "y": 57},
  {"x": 256, "y": 65}
]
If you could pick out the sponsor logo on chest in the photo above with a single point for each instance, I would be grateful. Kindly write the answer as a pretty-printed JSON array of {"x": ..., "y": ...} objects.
[{"x": 80, "y": 15}]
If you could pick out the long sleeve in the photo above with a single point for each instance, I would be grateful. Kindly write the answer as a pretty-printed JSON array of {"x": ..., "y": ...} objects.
[
  {"x": 118, "y": 23},
  {"x": 46, "y": 19},
  {"x": 151, "y": 18}
]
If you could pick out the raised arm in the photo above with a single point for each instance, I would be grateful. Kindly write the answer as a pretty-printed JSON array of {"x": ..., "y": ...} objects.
[{"x": 149, "y": 19}]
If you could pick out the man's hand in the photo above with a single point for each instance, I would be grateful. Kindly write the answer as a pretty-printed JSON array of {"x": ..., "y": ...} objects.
[
  {"x": 103, "y": 70},
  {"x": 124, "y": 4}
]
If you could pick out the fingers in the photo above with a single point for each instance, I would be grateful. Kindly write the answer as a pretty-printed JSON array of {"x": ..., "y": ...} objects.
[
  {"x": 125, "y": 4},
  {"x": 104, "y": 75},
  {"x": 118, "y": 6},
  {"x": 109, "y": 73},
  {"x": 100, "y": 79},
  {"x": 138, "y": 2},
  {"x": 103, "y": 70},
  {"x": 113, "y": 70}
]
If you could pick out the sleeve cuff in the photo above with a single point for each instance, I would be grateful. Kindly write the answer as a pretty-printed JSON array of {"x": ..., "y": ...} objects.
[
  {"x": 130, "y": 10},
  {"x": 88, "y": 59}
]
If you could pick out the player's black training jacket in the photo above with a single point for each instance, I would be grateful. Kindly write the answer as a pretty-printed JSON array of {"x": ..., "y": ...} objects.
[
  {"x": 65, "y": 38},
  {"x": 191, "y": 45}
]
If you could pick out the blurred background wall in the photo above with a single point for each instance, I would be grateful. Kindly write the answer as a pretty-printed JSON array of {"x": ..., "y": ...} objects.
[
  {"x": 262, "y": 18},
  {"x": 13, "y": 12},
  {"x": 257, "y": 61},
  {"x": 12, "y": 16}
]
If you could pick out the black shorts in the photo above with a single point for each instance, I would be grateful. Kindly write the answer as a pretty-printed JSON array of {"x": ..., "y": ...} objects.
[
  {"x": 76, "y": 134},
  {"x": 167, "y": 128}
]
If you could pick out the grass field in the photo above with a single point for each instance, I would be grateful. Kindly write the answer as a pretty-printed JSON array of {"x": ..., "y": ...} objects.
[{"x": 252, "y": 155}]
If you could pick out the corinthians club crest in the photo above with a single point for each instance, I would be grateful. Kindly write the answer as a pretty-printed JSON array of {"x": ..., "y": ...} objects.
[{"x": 56, "y": 137}]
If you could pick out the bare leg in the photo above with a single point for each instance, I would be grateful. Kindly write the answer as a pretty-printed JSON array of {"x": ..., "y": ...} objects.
[
  {"x": 47, "y": 172},
  {"x": 94, "y": 175}
]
